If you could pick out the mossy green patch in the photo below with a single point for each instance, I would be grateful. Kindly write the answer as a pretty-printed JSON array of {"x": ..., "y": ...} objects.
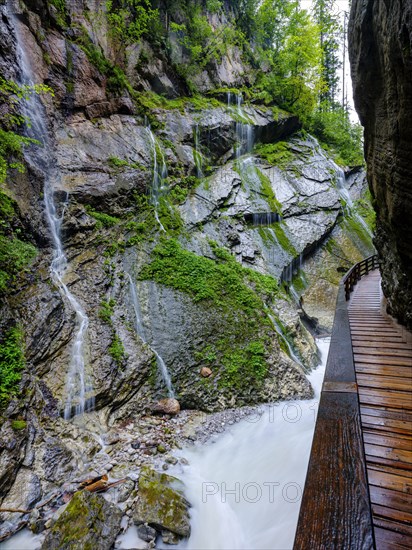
[
  {"x": 268, "y": 192},
  {"x": 238, "y": 293},
  {"x": 103, "y": 220},
  {"x": 117, "y": 351},
  {"x": 18, "y": 425},
  {"x": 12, "y": 363},
  {"x": 276, "y": 154},
  {"x": 283, "y": 240}
]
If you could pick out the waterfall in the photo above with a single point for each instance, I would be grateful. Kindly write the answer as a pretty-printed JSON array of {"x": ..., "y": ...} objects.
[
  {"x": 159, "y": 186},
  {"x": 285, "y": 340},
  {"x": 77, "y": 386},
  {"x": 347, "y": 202},
  {"x": 244, "y": 131},
  {"x": 197, "y": 155},
  {"x": 262, "y": 219},
  {"x": 161, "y": 365}
]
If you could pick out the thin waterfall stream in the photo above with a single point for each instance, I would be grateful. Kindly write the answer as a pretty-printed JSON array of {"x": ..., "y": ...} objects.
[
  {"x": 161, "y": 365},
  {"x": 78, "y": 386},
  {"x": 159, "y": 175}
]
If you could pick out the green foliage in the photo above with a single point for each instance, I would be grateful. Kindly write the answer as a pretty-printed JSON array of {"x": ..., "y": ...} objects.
[
  {"x": 61, "y": 16},
  {"x": 363, "y": 206},
  {"x": 103, "y": 220},
  {"x": 117, "y": 351},
  {"x": 12, "y": 363},
  {"x": 224, "y": 282},
  {"x": 106, "y": 310},
  {"x": 249, "y": 360},
  {"x": 130, "y": 20},
  {"x": 332, "y": 126},
  {"x": 283, "y": 240},
  {"x": 11, "y": 143},
  {"x": 15, "y": 256},
  {"x": 276, "y": 154},
  {"x": 18, "y": 425},
  {"x": 265, "y": 183}
]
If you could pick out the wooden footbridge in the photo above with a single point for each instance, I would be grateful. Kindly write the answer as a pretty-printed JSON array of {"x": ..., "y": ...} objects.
[{"x": 358, "y": 490}]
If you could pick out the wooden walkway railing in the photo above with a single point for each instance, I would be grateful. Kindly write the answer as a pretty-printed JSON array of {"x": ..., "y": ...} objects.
[
  {"x": 357, "y": 272},
  {"x": 335, "y": 512}
]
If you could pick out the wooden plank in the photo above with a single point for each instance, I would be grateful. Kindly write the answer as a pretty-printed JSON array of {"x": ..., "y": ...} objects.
[
  {"x": 336, "y": 481},
  {"x": 377, "y": 381},
  {"x": 384, "y": 370},
  {"x": 387, "y": 540},
  {"x": 368, "y": 343},
  {"x": 405, "y": 352},
  {"x": 385, "y": 512},
  {"x": 385, "y": 400},
  {"x": 385, "y": 440},
  {"x": 396, "y": 526},
  {"x": 386, "y": 361},
  {"x": 390, "y": 498},
  {"x": 389, "y": 481},
  {"x": 386, "y": 424},
  {"x": 392, "y": 469},
  {"x": 387, "y": 412},
  {"x": 378, "y": 460},
  {"x": 399, "y": 455}
]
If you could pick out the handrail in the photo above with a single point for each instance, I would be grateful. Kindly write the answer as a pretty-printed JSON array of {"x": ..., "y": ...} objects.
[
  {"x": 335, "y": 511},
  {"x": 357, "y": 271}
]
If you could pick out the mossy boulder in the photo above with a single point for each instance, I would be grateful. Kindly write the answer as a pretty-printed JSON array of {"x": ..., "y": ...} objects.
[
  {"x": 88, "y": 523},
  {"x": 161, "y": 503}
]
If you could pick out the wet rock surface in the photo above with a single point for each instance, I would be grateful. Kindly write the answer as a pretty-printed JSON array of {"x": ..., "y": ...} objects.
[
  {"x": 380, "y": 39},
  {"x": 87, "y": 522}
]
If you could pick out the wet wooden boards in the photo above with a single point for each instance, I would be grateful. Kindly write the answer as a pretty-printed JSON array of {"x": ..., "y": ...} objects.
[{"x": 383, "y": 365}]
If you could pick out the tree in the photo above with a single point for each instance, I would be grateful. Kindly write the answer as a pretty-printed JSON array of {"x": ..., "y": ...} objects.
[{"x": 327, "y": 18}]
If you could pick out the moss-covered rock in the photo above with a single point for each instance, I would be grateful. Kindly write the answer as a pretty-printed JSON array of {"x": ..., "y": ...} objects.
[
  {"x": 161, "y": 503},
  {"x": 88, "y": 523}
]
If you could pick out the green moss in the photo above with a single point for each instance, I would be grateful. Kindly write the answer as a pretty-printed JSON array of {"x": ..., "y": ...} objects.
[
  {"x": 248, "y": 361},
  {"x": 106, "y": 310},
  {"x": 283, "y": 240},
  {"x": 269, "y": 194},
  {"x": 237, "y": 293},
  {"x": 276, "y": 154},
  {"x": 12, "y": 363},
  {"x": 18, "y": 425},
  {"x": 117, "y": 351},
  {"x": 61, "y": 11},
  {"x": 103, "y": 220},
  {"x": 15, "y": 256}
]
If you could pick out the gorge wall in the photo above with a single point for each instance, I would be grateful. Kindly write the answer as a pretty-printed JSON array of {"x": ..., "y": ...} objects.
[
  {"x": 380, "y": 37},
  {"x": 204, "y": 233}
]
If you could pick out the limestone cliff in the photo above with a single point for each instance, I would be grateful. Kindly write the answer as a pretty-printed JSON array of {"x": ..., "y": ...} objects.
[{"x": 380, "y": 37}]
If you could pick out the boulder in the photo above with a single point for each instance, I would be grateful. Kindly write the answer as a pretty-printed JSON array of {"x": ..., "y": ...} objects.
[
  {"x": 205, "y": 372},
  {"x": 161, "y": 503},
  {"x": 88, "y": 523},
  {"x": 167, "y": 406}
]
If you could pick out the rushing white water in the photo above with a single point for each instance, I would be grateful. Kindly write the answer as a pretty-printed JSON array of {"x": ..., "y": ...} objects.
[
  {"x": 161, "y": 365},
  {"x": 159, "y": 175},
  {"x": 246, "y": 487},
  {"x": 33, "y": 110},
  {"x": 23, "y": 540}
]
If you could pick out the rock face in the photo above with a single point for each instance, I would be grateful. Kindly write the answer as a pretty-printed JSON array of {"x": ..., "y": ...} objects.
[
  {"x": 380, "y": 49},
  {"x": 88, "y": 522},
  {"x": 161, "y": 504}
]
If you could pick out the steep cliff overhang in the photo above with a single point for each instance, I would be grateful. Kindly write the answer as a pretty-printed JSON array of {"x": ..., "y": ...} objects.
[{"x": 380, "y": 46}]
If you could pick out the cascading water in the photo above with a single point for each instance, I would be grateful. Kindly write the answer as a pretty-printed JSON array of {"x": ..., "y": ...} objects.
[
  {"x": 285, "y": 340},
  {"x": 159, "y": 187},
  {"x": 77, "y": 386},
  {"x": 346, "y": 199},
  {"x": 244, "y": 130},
  {"x": 198, "y": 157},
  {"x": 141, "y": 332},
  {"x": 246, "y": 487}
]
